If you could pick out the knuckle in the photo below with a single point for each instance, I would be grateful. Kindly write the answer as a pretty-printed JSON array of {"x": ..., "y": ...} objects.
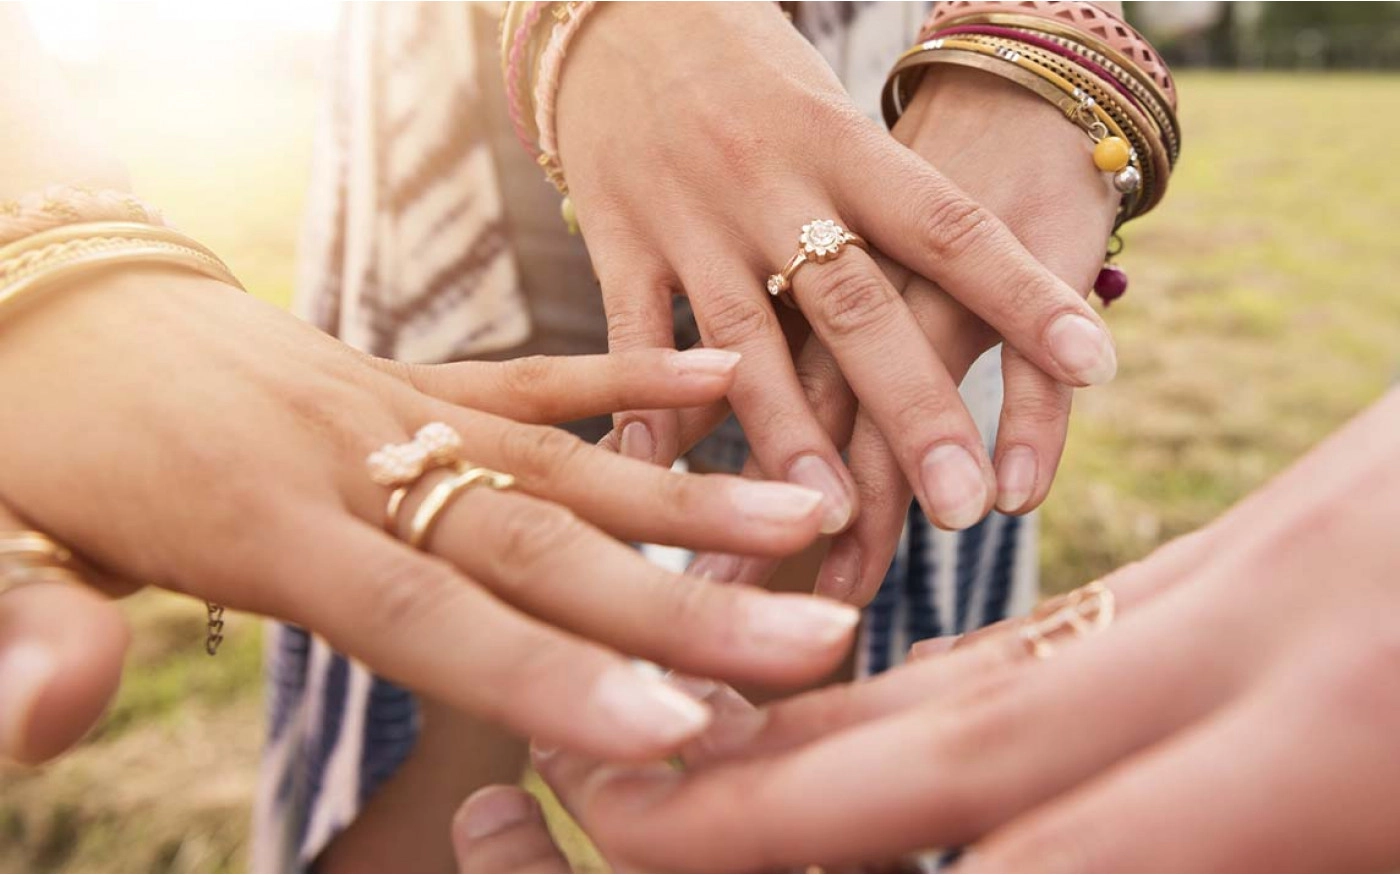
[
  {"x": 691, "y": 604},
  {"x": 629, "y": 322},
  {"x": 524, "y": 380},
  {"x": 955, "y": 225},
  {"x": 407, "y": 588},
  {"x": 539, "y": 452},
  {"x": 527, "y": 531},
  {"x": 928, "y": 415},
  {"x": 819, "y": 376},
  {"x": 1038, "y": 408},
  {"x": 851, "y": 299},
  {"x": 736, "y": 320}
]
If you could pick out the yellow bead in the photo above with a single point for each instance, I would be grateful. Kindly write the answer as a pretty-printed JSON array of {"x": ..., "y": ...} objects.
[
  {"x": 1111, "y": 154},
  {"x": 566, "y": 211}
]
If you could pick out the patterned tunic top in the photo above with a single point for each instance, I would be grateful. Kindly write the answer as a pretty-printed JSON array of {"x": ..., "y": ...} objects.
[{"x": 431, "y": 236}]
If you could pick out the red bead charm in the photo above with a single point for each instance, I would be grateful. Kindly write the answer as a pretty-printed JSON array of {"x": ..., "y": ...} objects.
[{"x": 1111, "y": 283}]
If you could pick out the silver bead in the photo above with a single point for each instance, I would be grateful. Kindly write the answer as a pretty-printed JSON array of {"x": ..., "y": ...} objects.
[{"x": 1127, "y": 180}]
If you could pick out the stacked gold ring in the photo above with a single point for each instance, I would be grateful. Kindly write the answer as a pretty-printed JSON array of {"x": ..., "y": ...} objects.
[
  {"x": 1081, "y": 612},
  {"x": 33, "y": 557},
  {"x": 402, "y": 466}
]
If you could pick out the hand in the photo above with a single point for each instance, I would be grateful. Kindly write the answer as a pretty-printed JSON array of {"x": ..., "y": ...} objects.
[
  {"x": 1017, "y": 156},
  {"x": 61, "y": 651},
  {"x": 1240, "y": 714},
  {"x": 502, "y": 829},
  {"x": 172, "y": 430},
  {"x": 697, "y": 139}
]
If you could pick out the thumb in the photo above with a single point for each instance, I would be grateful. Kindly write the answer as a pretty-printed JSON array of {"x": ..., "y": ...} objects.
[{"x": 502, "y": 829}]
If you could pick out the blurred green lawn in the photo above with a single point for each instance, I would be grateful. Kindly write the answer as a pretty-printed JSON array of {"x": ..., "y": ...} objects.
[{"x": 1264, "y": 311}]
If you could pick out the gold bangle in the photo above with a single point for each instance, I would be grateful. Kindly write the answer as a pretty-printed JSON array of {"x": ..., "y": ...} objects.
[
  {"x": 1139, "y": 129},
  {"x": 425, "y": 517},
  {"x": 1164, "y": 118},
  {"x": 62, "y": 253},
  {"x": 1046, "y": 25},
  {"x": 1006, "y": 60}
]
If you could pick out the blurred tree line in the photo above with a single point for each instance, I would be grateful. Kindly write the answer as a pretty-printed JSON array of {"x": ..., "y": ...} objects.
[{"x": 1275, "y": 35}]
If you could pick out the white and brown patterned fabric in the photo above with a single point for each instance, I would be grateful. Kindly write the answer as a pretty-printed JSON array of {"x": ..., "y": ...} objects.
[{"x": 431, "y": 236}]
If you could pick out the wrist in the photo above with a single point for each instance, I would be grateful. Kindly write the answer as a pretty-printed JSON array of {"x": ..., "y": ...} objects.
[{"x": 956, "y": 106}]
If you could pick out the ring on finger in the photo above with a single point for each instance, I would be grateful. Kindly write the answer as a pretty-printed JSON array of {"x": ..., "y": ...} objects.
[
  {"x": 436, "y": 501},
  {"x": 821, "y": 240},
  {"x": 1082, "y": 612},
  {"x": 399, "y": 466},
  {"x": 32, "y": 557}
]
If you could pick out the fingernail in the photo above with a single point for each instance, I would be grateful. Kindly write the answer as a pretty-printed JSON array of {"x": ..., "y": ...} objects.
[
  {"x": 25, "y": 671},
  {"x": 637, "y": 442},
  {"x": 840, "y": 572},
  {"x": 496, "y": 809},
  {"x": 648, "y": 706},
  {"x": 953, "y": 486},
  {"x": 813, "y": 472},
  {"x": 705, "y": 362},
  {"x": 1015, "y": 479},
  {"x": 801, "y": 619},
  {"x": 1083, "y": 349},
  {"x": 716, "y": 566},
  {"x": 773, "y": 502}
]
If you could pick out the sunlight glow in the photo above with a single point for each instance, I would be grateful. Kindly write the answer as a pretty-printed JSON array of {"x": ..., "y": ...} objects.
[{"x": 85, "y": 31}]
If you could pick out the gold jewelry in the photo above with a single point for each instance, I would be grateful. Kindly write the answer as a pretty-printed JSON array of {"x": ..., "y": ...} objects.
[
  {"x": 33, "y": 557},
  {"x": 1151, "y": 167},
  {"x": 425, "y": 517},
  {"x": 1082, "y": 612},
  {"x": 1088, "y": 114},
  {"x": 1055, "y": 28},
  {"x": 435, "y": 445},
  {"x": 821, "y": 240},
  {"x": 40, "y": 260},
  {"x": 48, "y": 257}
]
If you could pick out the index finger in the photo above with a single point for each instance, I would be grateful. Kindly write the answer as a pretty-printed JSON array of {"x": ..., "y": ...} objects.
[
  {"x": 416, "y": 620},
  {"x": 921, "y": 219}
]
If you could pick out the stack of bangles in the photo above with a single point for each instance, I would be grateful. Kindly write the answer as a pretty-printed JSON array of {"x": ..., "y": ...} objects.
[
  {"x": 65, "y": 232},
  {"x": 1098, "y": 71},
  {"x": 535, "y": 38}
]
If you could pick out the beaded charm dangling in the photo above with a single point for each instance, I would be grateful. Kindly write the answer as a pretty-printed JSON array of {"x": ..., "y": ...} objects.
[{"x": 1112, "y": 281}]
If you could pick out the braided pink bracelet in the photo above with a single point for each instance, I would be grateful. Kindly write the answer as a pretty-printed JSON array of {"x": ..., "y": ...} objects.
[
  {"x": 60, "y": 205},
  {"x": 1082, "y": 17},
  {"x": 547, "y": 87},
  {"x": 514, "y": 75}
]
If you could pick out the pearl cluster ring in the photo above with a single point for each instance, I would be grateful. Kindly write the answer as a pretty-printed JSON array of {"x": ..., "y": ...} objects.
[{"x": 435, "y": 445}]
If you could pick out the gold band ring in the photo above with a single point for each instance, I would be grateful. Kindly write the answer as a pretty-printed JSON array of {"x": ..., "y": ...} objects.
[
  {"x": 1083, "y": 612},
  {"x": 33, "y": 557},
  {"x": 821, "y": 240},
  {"x": 436, "y": 501}
]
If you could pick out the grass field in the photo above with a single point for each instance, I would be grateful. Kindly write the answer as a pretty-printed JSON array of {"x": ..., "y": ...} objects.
[{"x": 1264, "y": 311}]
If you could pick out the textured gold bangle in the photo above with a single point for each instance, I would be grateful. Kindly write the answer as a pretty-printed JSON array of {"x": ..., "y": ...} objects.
[
  {"x": 1046, "y": 25},
  {"x": 1138, "y": 129},
  {"x": 1161, "y": 114},
  {"x": 52, "y": 256}
]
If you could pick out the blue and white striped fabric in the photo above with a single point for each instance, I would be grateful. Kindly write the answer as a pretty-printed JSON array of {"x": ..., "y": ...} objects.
[{"x": 337, "y": 731}]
